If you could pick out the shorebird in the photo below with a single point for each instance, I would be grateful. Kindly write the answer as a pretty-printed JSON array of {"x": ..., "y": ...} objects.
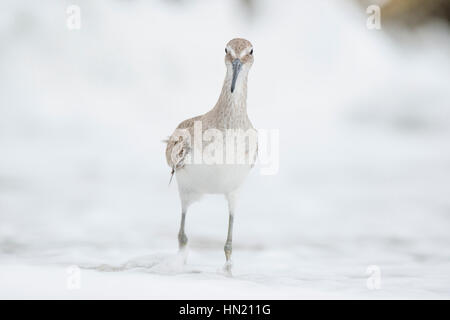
[{"x": 195, "y": 179}]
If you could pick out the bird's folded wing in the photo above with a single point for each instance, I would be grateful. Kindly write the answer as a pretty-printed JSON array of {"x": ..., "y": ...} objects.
[
  {"x": 177, "y": 149},
  {"x": 179, "y": 144}
]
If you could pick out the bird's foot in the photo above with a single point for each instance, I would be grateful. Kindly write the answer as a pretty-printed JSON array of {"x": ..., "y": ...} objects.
[
  {"x": 227, "y": 268},
  {"x": 183, "y": 253}
]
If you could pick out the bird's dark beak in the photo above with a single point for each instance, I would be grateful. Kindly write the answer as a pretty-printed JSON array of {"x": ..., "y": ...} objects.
[{"x": 237, "y": 64}]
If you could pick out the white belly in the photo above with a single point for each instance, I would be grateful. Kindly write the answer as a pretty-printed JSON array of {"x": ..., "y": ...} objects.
[{"x": 203, "y": 178}]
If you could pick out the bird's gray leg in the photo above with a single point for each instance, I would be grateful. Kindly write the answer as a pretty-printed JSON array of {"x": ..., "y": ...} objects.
[
  {"x": 182, "y": 239},
  {"x": 228, "y": 248}
]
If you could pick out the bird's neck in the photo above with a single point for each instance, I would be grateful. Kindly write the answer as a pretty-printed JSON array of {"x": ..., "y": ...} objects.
[{"x": 232, "y": 105}]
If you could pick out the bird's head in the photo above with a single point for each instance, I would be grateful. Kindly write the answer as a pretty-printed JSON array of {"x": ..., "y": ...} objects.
[{"x": 238, "y": 59}]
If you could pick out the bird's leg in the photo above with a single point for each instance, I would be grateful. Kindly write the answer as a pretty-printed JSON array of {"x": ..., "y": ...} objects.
[
  {"x": 182, "y": 239},
  {"x": 228, "y": 248}
]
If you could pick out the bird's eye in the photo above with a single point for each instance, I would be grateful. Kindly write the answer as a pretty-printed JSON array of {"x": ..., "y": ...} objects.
[
  {"x": 226, "y": 51},
  {"x": 251, "y": 52}
]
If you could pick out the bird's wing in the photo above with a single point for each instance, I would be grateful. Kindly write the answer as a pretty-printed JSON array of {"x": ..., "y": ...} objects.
[{"x": 179, "y": 144}]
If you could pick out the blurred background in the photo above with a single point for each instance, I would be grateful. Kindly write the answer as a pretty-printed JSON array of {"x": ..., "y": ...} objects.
[{"x": 364, "y": 121}]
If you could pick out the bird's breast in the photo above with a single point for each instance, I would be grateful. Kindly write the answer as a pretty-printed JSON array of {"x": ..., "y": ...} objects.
[{"x": 204, "y": 178}]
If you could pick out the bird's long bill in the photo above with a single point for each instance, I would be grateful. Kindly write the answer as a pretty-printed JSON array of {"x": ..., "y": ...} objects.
[{"x": 237, "y": 64}]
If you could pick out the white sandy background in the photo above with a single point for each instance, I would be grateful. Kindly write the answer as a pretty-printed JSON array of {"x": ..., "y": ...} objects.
[{"x": 364, "y": 176}]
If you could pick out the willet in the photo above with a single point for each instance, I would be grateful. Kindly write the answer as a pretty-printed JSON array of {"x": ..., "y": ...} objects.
[{"x": 198, "y": 177}]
